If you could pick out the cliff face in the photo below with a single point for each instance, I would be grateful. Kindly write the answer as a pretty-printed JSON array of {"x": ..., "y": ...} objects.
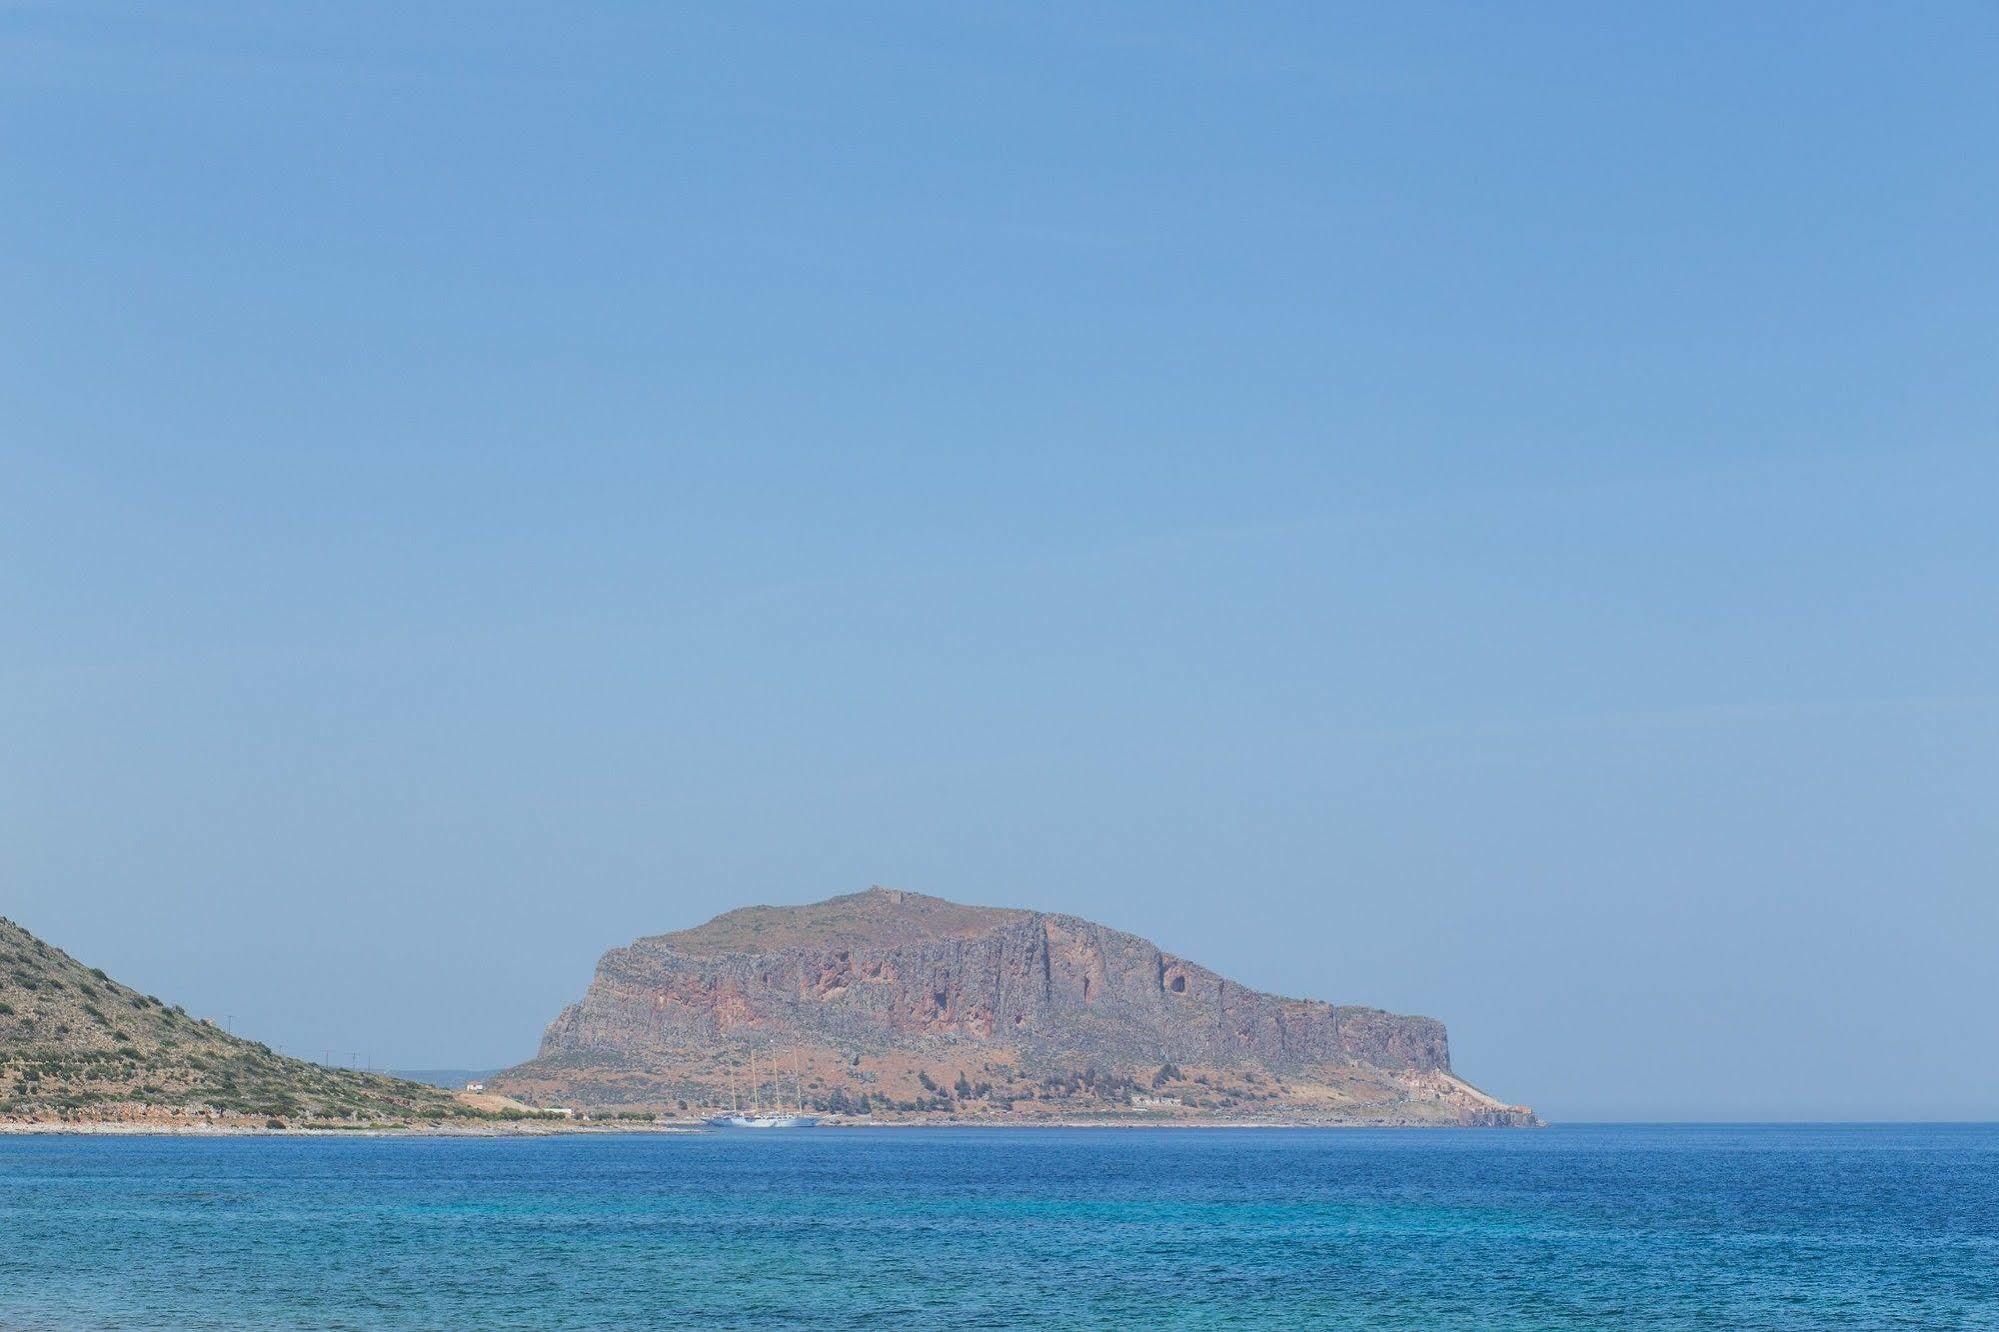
[{"x": 874, "y": 985}]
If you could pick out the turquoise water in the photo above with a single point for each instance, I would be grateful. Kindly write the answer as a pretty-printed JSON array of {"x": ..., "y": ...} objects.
[{"x": 1582, "y": 1227}]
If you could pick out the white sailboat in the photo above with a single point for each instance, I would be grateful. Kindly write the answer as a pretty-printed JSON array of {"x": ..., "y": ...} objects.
[{"x": 757, "y": 1118}]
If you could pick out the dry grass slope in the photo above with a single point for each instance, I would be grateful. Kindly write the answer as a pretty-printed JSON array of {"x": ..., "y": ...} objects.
[
  {"x": 872, "y": 917},
  {"x": 76, "y": 1046}
]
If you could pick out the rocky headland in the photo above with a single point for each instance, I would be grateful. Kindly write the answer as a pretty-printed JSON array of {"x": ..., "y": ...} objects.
[{"x": 895, "y": 1006}]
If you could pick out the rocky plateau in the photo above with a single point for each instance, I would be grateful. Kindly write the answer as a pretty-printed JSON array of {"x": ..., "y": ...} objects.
[{"x": 899, "y": 1006}]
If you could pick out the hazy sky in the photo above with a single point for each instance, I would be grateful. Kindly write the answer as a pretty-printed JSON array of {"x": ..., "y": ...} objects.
[{"x": 1489, "y": 511}]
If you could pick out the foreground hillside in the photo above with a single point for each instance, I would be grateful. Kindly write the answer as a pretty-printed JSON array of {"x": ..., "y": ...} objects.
[
  {"x": 895, "y": 1004},
  {"x": 78, "y": 1047}
]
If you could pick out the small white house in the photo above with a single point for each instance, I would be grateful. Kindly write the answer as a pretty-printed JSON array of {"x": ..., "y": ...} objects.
[
  {"x": 1155, "y": 1102},
  {"x": 475, "y": 1086}
]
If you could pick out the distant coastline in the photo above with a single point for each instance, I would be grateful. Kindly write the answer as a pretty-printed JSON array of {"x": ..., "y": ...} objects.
[
  {"x": 880, "y": 1009},
  {"x": 574, "y": 1128}
]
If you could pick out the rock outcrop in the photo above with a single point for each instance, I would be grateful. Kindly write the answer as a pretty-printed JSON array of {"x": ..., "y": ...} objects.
[{"x": 894, "y": 1002}]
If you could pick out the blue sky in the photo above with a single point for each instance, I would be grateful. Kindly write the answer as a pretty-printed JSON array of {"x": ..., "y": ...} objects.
[{"x": 1481, "y": 511}]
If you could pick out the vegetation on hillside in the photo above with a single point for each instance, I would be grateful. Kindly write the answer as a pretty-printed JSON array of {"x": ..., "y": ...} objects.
[{"x": 76, "y": 1045}]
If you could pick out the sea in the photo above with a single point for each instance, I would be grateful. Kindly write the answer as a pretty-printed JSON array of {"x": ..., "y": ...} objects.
[{"x": 1584, "y": 1226}]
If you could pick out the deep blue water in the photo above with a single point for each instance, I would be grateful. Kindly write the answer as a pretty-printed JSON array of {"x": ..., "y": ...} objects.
[{"x": 1573, "y": 1227}]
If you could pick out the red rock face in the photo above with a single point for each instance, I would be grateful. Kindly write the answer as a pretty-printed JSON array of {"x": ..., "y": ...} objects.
[{"x": 883, "y": 971}]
